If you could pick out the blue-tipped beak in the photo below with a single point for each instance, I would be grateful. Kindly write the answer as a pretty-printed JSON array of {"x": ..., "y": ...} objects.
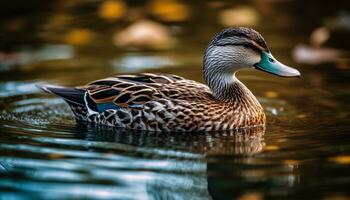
[{"x": 269, "y": 64}]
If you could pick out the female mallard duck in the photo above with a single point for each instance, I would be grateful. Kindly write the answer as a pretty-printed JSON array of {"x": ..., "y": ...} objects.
[{"x": 159, "y": 102}]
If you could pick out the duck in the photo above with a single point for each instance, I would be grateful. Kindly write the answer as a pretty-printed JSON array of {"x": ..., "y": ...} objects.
[{"x": 171, "y": 103}]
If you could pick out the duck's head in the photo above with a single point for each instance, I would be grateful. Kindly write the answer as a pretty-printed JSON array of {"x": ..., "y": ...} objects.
[{"x": 236, "y": 48}]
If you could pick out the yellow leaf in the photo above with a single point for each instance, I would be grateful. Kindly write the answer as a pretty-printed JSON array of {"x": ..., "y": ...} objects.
[
  {"x": 337, "y": 197},
  {"x": 144, "y": 34},
  {"x": 343, "y": 159},
  {"x": 56, "y": 155},
  {"x": 271, "y": 94},
  {"x": 78, "y": 36},
  {"x": 169, "y": 10},
  {"x": 239, "y": 16},
  {"x": 282, "y": 140},
  {"x": 291, "y": 162},
  {"x": 271, "y": 148},
  {"x": 319, "y": 36},
  {"x": 112, "y": 9},
  {"x": 250, "y": 196},
  {"x": 301, "y": 116}
]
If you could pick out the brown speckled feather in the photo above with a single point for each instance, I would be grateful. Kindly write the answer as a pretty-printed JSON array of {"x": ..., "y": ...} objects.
[
  {"x": 159, "y": 102},
  {"x": 126, "y": 90}
]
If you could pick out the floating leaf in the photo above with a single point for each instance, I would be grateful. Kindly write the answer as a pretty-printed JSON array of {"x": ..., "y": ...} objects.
[
  {"x": 291, "y": 162},
  {"x": 343, "y": 159},
  {"x": 271, "y": 94},
  {"x": 112, "y": 9},
  {"x": 251, "y": 196},
  {"x": 78, "y": 36},
  {"x": 319, "y": 36},
  {"x": 144, "y": 34},
  {"x": 271, "y": 148},
  {"x": 240, "y": 16},
  {"x": 169, "y": 10}
]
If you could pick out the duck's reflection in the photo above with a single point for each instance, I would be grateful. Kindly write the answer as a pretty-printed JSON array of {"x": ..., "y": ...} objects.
[
  {"x": 234, "y": 142},
  {"x": 190, "y": 160}
]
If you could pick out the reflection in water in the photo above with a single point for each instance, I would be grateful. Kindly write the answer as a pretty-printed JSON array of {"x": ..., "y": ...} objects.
[{"x": 242, "y": 142}]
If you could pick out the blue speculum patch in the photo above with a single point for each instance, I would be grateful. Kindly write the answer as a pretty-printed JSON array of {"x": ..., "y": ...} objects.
[{"x": 105, "y": 106}]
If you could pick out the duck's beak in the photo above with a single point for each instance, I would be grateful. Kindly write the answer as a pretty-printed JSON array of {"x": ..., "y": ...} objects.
[{"x": 269, "y": 64}]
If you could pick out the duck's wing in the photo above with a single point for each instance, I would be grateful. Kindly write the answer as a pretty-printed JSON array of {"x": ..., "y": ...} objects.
[
  {"x": 124, "y": 91},
  {"x": 131, "y": 90}
]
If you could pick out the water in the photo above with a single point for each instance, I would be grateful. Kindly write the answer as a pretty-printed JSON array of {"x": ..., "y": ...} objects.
[{"x": 304, "y": 152}]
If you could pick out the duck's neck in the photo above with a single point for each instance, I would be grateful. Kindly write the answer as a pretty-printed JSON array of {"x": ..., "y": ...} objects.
[
  {"x": 226, "y": 87},
  {"x": 223, "y": 83},
  {"x": 219, "y": 69}
]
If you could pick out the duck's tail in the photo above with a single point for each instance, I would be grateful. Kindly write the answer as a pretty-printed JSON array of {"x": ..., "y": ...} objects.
[
  {"x": 73, "y": 96},
  {"x": 69, "y": 94}
]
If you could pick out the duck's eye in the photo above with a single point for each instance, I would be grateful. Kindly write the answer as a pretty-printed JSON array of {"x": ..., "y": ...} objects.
[
  {"x": 272, "y": 60},
  {"x": 246, "y": 46}
]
